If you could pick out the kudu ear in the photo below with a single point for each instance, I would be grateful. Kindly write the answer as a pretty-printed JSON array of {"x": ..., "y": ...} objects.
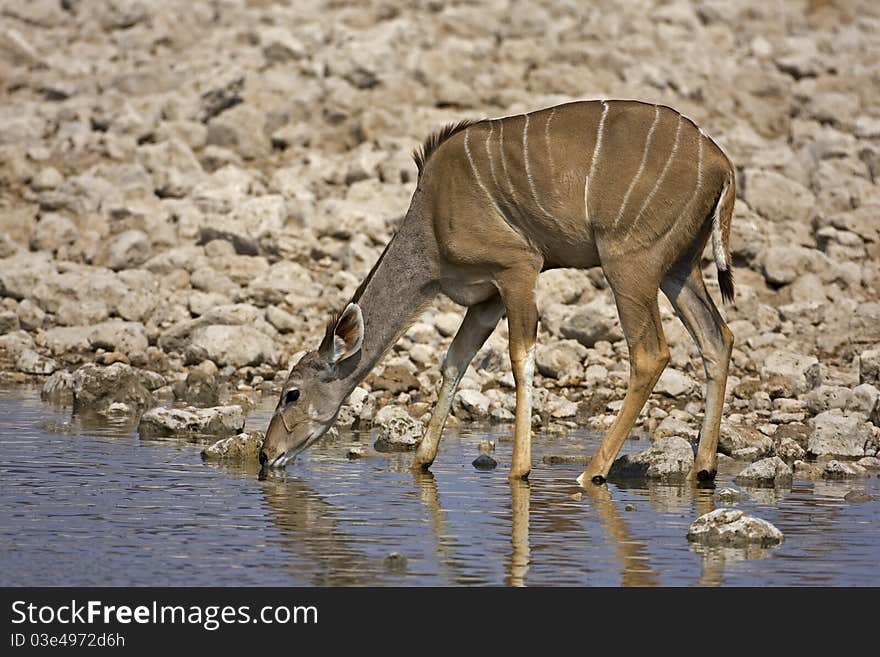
[{"x": 347, "y": 336}]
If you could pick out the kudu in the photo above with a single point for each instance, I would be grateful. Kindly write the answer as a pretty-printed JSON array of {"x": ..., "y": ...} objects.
[{"x": 632, "y": 187}]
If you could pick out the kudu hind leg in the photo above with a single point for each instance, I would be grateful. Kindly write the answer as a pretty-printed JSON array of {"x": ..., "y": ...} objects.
[
  {"x": 691, "y": 301},
  {"x": 648, "y": 356},
  {"x": 477, "y": 325}
]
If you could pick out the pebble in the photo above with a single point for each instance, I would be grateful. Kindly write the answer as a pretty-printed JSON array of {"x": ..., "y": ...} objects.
[{"x": 484, "y": 462}]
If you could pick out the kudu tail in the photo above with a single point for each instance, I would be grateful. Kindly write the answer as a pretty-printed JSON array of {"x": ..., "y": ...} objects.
[{"x": 721, "y": 218}]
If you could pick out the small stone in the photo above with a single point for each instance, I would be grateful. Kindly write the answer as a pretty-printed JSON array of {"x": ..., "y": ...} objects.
[
  {"x": 30, "y": 362},
  {"x": 790, "y": 374},
  {"x": 395, "y": 562},
  {"x": 397, "y": 430},
  {"x": 484, "y": 462},
  {"x": 395, "y": 379},
  {"x": 675, "y": 384},
  {"x": 241, "y": 447},
  {"x": 869, "y": 463},
  {"x": 9, "y": 322},
  {"x": 732, "y": 527},
  {"x": 857, "y": 496},
  {"x": 668, "y": 459},
  {"x": 130, "y": 248},
  {"x": 471, "y": 404},
  {"x": 733, "y": 438},
  {"x": 843, "y": 470},
  {"x": 789, "y": 450},
  {"x": 355, "y": 453},
  {"x": 772, "y": 471},
  {"x": 501, "y": 415},
  {"x": 805, "y": 470},
  {"x": 730, "y": 495},
  {"x": 281, "y": 319},
  {"x": 869, "y": 367},
  {"x": 629, "y": 507},
  {"x": 487, "y": 446}
]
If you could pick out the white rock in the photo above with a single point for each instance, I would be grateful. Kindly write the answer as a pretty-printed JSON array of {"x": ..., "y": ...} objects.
[
  {"x": 732, "y": 527},
  {"x": 674, "y": 383},
  {"x": 241, "y": 447},
  {"x": 191, "y": 421},
  {"x": 770, "y": 471},
  {"x": 474, "y": 404},
  {"x": 837, "y": 434},
  {"x": 790, "y": 373},
  {"x": 668, "y": 459},
  {"x": 397, "y": 430}
]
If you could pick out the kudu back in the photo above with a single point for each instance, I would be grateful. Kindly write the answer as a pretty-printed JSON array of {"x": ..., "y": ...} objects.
[{"x": 635, "y": 188}]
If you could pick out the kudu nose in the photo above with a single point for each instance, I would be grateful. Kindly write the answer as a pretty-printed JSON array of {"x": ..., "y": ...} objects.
[{"x": 263, "y": 457}]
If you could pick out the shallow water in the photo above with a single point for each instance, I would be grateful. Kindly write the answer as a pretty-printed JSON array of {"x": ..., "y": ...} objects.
[{"x": 86, "y": 502}]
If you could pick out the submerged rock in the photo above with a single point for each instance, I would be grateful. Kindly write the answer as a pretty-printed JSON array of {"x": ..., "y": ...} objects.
[
  {"x": 733, "y": 527},
  {"x": 730, "y": 495},
  {"x": 564, "y": 459},
  {"x": 241, "y": 447},
  {"x": 191, "y": 421},
  {"x": 395, "y": 562},
  {"x": 397, "y": 430},
  {"x": 668, "y": 459},
  {"x": 857, "y": 496},
  {"x": 843, "y": 470},
  {"x": 771, "y": 471}
]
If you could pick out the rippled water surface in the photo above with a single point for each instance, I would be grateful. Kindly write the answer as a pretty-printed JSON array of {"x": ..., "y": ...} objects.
[{"x": 86, "y": 502}]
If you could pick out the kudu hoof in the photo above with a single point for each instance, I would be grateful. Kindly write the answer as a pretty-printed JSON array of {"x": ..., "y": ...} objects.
[{"x": 706, "y": 475}]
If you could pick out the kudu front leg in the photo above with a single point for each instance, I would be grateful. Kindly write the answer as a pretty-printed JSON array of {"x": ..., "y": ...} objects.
[
  {"x": 518, "y": 293},
  {"x": 477, "y": 325}
]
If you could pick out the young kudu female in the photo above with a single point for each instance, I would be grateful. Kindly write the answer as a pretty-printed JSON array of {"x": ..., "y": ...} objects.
[{"x": 635, "y": 188}]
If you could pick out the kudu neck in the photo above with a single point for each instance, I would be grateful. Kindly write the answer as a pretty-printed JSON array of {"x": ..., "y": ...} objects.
[{"x": 397, "y": 289}]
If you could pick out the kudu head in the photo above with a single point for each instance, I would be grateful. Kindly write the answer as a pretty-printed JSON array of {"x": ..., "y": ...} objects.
[{"x": 314, "y": 391}]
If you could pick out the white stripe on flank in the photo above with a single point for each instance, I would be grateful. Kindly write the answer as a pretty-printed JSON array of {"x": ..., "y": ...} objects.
[
  {"x": 587, "y": 200},
  {"x": 467, "y": 150},
  {"x": 598, "y": 146},
  {"x": 641, "y": 168},
  {"x": 550, "y": 163},
  {"x": 504, "y": 162},
  {"x": 525, "y": 145},
  {"x": 489, "y": 155},
  {"x": 660, "y": 180},
  {"x": 696, "y": 191}
]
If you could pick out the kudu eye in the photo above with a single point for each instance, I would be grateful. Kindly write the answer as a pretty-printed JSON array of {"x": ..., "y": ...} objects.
[{"x": 291, "y": 396}]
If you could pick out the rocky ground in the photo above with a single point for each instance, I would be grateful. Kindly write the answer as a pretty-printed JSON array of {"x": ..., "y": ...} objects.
[{"x": 189, "y": 189}]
